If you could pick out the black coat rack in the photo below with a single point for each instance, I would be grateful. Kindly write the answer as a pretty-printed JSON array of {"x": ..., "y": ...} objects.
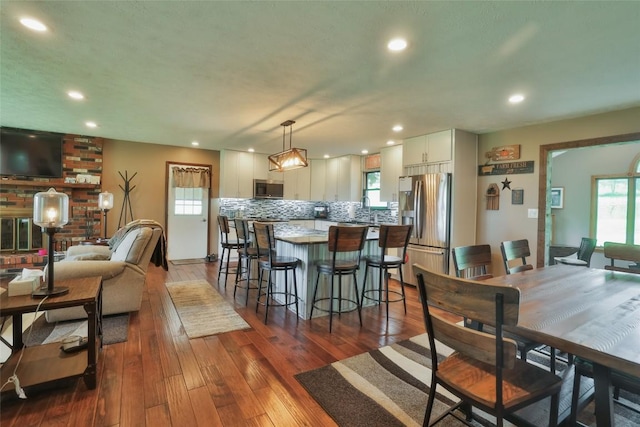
[{"x": 126, "y": 204}]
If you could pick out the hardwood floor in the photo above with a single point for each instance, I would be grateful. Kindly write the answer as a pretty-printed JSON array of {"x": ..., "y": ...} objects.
[{"x": 159, "y": 377}]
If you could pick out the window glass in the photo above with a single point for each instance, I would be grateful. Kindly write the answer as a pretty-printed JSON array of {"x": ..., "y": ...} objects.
[
  {"x": 188, "y": 201},
  {"x": 372, "y": 190},
  {"x": 611, "y": 210}
]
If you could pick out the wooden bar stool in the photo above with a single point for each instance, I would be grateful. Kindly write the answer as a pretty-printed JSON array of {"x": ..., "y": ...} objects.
[
  {"x": 269, "y": 261},
  {"x": 227, "y": 247},
  {"x": 247, "y": 255},
  {"x": 342, "y": 240},
  {"x": 391, "y": 236}
]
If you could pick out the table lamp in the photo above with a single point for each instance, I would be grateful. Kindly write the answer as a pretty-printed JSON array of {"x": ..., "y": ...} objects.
[
  {"x": 51, "y": 212},
  {"x": 105, "y": 202}
]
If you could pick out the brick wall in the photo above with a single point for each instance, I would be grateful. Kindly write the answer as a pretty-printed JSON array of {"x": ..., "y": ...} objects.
[{"x": 81, "y": 155}]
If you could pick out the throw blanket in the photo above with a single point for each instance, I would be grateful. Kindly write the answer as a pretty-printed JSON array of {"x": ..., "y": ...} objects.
[{"x": 159, "y": 256}]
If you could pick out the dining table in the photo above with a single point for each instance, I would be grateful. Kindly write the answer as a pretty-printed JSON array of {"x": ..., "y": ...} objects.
[{"x": 590, "y": 313}]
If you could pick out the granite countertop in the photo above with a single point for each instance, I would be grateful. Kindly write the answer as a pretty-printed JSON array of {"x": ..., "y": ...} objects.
[{"x": 305, "y": 236}]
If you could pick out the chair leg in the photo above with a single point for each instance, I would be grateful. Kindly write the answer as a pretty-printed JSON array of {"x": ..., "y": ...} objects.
[
  {"x": 315, "y": 293},
  {"x": 384, "y": 277},
  {"x": 295, "y": 292},
  {"x": 269, "y": 291},
  {"x": 574, "y": 398},
  {"x": 331, "y": 304},
  {"x": 246, "y": 298},
  {"x": 355, "y": 286},
  {"x": 221, "y": 264},
  {"x": 432, "y": 397},
  {"x": 364, "y": 283},
  {"x": 404, "y": 298},
  {"x": 260, "y": 272}
]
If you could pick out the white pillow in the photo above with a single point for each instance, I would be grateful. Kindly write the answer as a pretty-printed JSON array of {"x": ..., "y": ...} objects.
[{"x": 132, "y": 246}]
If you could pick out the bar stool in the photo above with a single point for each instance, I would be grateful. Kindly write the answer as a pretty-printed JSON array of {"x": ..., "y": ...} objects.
[
  {"x": 247, "y": 254},
  {"x": 391, "y": 236},
  {"x": 227, "y": 246},
  {"x": 342, "y": 239},
  {"x": 269, "y": 261}
]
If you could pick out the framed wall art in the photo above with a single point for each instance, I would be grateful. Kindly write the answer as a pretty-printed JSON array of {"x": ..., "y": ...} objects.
[
  {"x": 557, "y": 197},
  {"x": 517, "y": 196}
]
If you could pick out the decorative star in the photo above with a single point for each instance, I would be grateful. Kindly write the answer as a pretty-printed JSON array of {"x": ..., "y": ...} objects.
[{"x": 506, "y": 183}]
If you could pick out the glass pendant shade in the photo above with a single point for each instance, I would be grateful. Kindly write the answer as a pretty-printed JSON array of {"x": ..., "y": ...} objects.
[
  {"x": 50, "y": 209},
  {"x": 105, "y": 201}
]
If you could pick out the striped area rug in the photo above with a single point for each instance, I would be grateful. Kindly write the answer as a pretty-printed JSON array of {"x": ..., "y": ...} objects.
[
  {"x": 202, "y": 310},
  {"x": 390, "y": 386}
]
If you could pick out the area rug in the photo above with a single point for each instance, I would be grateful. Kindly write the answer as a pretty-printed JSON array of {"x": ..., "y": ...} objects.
[
  {"x": 187, "y": 261},
  {"x": 202, "y": 309},
  {"x": 114, "y": 330},
  {"x": 389, "y": 387}
]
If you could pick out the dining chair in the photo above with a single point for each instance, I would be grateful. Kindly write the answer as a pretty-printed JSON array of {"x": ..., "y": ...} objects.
[
  {"x": 345, "y": 247},
  {"x": 270, "y": 262},
  {"x": 227, "y": 245},
  {"x": 622, "y": 252},
  {"x": 473, "y": 262},
  {"x": 583, "y": 257},
  {"x": 619, "y": 381},
  {"x": 513, "y": 250},
  {"x": 390, "y": 237},
  {"x": 483, "y": 370}
]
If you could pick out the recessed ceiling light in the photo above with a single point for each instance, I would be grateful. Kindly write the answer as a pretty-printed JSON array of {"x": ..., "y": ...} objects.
[
  {"x": 326, "y": 156},
  {"x": 195, "y": 143},
  {"x": 251, "y": 150},
  {"x": 397, "y": 128},
  {"x": 390, "y": 142},
  {"x": 33, "y": 24},
  {"x": 365, "y": 151},
  {"x": 397, "y": 44},
  {"x": 91, "y": 124},
  {"x": 75, "y": 94},
  {"x": 516, "y": 98}
]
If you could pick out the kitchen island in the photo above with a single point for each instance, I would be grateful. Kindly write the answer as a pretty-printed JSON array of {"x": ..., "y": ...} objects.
[{"x": 310, "y": 247}]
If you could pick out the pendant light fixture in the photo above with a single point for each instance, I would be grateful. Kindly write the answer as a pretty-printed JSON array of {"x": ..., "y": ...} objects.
[{"x": 288, "y": 159}]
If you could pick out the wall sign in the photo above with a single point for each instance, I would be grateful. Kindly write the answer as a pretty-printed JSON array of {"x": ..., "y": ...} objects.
[
  {"x": 506, "y": 168},
  {"x": 506, "y": 152}
]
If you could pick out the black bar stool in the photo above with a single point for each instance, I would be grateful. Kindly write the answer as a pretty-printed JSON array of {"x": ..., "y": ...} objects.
[
  {"x": 247, "y": 255},
  {"x": 227, "y": 247},
  {"x": 342, "y": 239},
  {"x": 391, "y": 236},
  {"x": 269, "y": 261}
]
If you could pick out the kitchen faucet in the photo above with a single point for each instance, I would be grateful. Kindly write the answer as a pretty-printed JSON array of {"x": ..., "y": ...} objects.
[{"x": 366, "y": 203}]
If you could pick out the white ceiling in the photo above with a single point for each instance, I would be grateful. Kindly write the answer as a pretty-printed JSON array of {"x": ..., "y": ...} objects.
[{"x": 228, "y": 73}]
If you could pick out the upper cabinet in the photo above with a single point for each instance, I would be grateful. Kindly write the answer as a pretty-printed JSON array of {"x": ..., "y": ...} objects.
[
  {"x": 432, "y": 148},
  {"x": 297, "y": 184},
  {"x": 261, "y": 169},
  {"x": 335, "y": 180},
  {"x": 236, "y": 176},
  {"x": 390, "y": 170}
]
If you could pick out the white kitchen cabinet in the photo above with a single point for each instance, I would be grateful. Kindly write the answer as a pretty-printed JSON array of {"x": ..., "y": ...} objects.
[
  {"x": 261, "y": 169},
  {"x": 432, "y": 148},
  {"x": 331, "y": 180},
  {"x": 318, "y": 180},
  {"x": 297, "y": 184},
  {"x": 323, "y": 225},
  {"x": 236, "y": 174},
  {"x": 390, "y": 170}
]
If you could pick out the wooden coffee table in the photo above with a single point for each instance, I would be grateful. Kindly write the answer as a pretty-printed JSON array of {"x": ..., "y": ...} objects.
[{"x": 47, "y": 363}]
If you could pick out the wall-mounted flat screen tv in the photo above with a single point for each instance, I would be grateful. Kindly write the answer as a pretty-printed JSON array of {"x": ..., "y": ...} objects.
[{"x": 30, "y": 153}]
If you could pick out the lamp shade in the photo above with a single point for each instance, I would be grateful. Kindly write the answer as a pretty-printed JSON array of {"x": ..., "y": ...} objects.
[
  {"x": 50, "y": 209},
  {"x": 105, "y": 201}
]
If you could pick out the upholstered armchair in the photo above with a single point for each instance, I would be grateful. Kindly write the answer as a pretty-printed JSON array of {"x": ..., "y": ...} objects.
[{"x": 122, "y": 265}]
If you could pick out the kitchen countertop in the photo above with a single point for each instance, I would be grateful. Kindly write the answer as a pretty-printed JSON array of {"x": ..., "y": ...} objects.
[{"x": 306, "y": 236}]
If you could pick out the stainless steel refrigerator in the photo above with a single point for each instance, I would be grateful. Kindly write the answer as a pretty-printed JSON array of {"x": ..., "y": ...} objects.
[{"x": 425, "y": 202}]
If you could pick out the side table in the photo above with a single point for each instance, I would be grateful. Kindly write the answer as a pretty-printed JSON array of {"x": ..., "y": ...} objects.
[{"x": 46, "y": 363}]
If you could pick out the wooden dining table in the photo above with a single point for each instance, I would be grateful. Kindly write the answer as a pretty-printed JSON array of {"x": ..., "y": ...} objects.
[{"x": 590, "y": 313}]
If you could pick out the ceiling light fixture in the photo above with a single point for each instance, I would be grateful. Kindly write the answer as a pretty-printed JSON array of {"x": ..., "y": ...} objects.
[
  {"x": 91, "y": 124},
  {"x": 75, "y": 94},
  {"x": 251, "y": 150},
  {"x": 397, "y": 45},
  {"x": 397, "y": 128},
  {"x": 516, "y": 99},
  {"x": 195, "y": 143},
  {"x": 390, "y": 142},
  {"x": 33, "y": 24},
  {"x": 293, "y": 158},
  {"x": 365, "y": 151},
  {"x": 326, "y": 156}
]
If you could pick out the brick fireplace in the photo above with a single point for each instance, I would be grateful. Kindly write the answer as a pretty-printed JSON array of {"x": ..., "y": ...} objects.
[{"x": 81, "y": 155}]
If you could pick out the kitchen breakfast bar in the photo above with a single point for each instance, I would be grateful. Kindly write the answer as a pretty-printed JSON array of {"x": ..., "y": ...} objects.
[{"x": 310, "y": 247}]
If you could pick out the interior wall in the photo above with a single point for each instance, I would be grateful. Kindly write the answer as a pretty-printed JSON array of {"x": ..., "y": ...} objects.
[
  {"x": 511, "y": 222},
  {"x": 149, "y": 162}
]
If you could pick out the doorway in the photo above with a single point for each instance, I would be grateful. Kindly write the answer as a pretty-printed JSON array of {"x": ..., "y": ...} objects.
[{"x": 188, "y": 195}]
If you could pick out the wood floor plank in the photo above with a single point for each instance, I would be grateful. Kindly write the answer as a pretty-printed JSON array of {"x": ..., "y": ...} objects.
[{"x": 243, "y": 378}]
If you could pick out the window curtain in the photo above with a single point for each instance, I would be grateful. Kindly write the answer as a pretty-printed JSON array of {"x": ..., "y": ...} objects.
[{"x": 191, "y": 177}]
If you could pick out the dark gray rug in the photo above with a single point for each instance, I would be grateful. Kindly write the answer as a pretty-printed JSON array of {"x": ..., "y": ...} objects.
[
  {"x": 114, "y": 329},
  {"x": 389, "y": 387}
]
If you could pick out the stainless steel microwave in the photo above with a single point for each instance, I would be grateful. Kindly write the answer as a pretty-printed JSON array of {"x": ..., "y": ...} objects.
[{"x": 263, "y": 189}]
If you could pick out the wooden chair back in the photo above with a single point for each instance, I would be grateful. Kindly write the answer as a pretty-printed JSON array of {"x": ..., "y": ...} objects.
[
  {"x": 346, "y": 238},
  {"x": 242, "y": 230},
  {"x": 223, "y": 223},
  {"x": 265, "y": 238},
  {"x": 515, "y": 250},
  {"x": 394, "y": 236},
  {"x": 472, "y": 262},
  {"x": 622, "y": 252},
  {"x": 587, "y": 246}
]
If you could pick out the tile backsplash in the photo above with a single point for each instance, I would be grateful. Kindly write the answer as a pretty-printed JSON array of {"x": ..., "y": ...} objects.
[{"x": 296, "y": 209}]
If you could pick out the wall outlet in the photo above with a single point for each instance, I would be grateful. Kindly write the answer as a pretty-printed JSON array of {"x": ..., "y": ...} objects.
[{"x": 532, "y": 213}]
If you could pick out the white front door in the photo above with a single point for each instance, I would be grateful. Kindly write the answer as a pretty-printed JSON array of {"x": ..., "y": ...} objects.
[{"x": 187, "y": 220}]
